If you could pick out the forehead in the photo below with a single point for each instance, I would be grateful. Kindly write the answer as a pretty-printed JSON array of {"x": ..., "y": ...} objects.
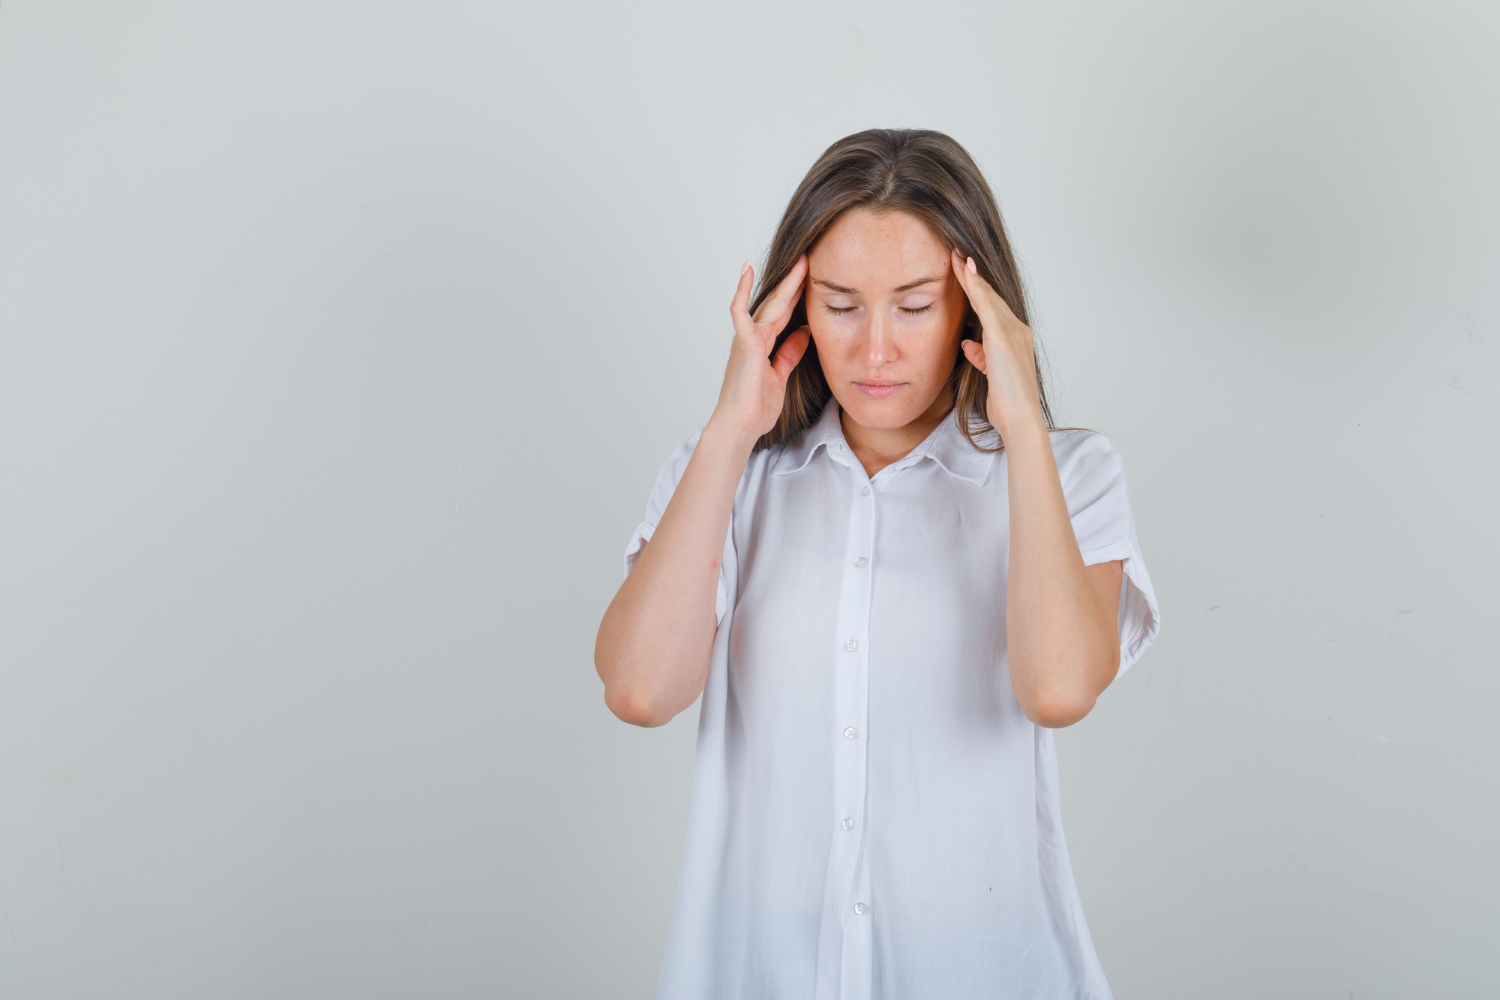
[{"x": 873, "y": 252}]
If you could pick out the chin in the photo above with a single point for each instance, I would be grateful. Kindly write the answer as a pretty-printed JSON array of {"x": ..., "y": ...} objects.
[{"x": 886, "y": 414}]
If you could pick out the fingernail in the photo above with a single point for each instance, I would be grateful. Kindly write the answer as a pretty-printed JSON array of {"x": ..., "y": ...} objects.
[
  {"x": 745, "y": 266},
  {"x": 972, "y": 268}
]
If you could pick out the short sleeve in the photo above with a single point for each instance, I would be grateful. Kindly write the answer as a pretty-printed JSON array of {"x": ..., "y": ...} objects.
[
  {"x": 1093, "y": 478},
  {"x": 666, "y": 484}
]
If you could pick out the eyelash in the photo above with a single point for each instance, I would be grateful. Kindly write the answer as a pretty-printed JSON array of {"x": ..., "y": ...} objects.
[{"x": 909, "y": 312}]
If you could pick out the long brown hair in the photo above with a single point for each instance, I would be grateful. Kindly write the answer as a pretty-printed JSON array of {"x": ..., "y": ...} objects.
[{"x": 931, "y": 176}]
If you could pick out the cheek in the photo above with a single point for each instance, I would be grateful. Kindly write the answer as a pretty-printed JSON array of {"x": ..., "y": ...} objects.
[
  {"x": 939, "y": 333},
  {"x": 831, "y": 335},
  {"x": 831, "y": 347},
  {"x": 940, "y": 347}
]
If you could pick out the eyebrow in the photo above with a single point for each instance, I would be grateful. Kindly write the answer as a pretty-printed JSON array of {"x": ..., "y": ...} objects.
[{"x": 850, "y": 291}]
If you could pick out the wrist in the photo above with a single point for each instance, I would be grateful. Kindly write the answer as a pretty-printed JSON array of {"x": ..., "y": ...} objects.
[
  {"x": 730, "y": 435},
  {"x": 1025, "y": 426}
]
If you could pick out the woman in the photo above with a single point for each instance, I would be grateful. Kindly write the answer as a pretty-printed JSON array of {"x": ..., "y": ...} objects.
[{"x": 890, "y": 578}]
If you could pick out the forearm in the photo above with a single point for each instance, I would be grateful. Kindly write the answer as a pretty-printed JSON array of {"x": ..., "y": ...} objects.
[
  {"x": 1055, "y": 632},
  {"x": 656, "y": 638}
]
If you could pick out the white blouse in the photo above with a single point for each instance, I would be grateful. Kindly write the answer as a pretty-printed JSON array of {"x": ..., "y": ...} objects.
[{"x": 872, "y": 815}]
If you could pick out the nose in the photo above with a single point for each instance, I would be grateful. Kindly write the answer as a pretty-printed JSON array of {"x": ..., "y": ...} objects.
[{"x": 878, "y": 346}]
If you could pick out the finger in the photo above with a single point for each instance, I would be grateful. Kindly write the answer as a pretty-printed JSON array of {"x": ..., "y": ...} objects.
[
  {"x": 792, "y": 283},
  {"x": 739, "y": 306},
  {"x": 967, "y": 280},
  {"x": 974, "y": 354},
  {"x": 967, "y": 271},
  {"x": 969, "y": 274},
  {"x": 791, "y": 351},
  {"x": 775, "y": 308},
  {"x": 961, "y": 268},
  {"x": 987, "y": 303}
]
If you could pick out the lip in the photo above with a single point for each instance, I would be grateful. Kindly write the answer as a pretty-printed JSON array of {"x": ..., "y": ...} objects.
[{"x": 878, "y": 389}]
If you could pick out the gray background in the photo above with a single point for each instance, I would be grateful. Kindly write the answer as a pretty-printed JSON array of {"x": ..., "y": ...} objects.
[{"x": 342, "y": 344}]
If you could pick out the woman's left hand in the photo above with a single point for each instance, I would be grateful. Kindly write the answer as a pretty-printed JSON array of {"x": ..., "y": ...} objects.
[{"x": 1004, "y": 354}]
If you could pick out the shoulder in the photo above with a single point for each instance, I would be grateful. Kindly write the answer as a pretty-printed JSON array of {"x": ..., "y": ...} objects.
[
  {"x": 1084, "y": 456},
  {"x": 1075, "y": 443},
  {"x": 677, "y": 459},
  {"x": 669, "y": 473},
  {"x": 684, "y": 450}
]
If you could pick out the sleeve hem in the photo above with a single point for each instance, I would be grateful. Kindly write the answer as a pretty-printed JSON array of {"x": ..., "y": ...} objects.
[
  {"x": 643, "y": 533},
  {"x": 1140, "y": 619},
  {"x": 1139, "y": 600},
  {"x": 1105, "y": 553}
]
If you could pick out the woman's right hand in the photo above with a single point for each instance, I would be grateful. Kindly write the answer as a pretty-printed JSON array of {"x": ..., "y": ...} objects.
[{"x": 755, "y": 383}]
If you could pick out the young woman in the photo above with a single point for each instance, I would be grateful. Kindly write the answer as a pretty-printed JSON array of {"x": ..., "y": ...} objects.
[{"x": 889, "y": 577}]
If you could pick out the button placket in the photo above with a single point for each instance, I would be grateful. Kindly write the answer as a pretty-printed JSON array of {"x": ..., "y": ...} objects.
[
  {"x": 845, "y": 936},
  {"x": 853, "y": 685}
]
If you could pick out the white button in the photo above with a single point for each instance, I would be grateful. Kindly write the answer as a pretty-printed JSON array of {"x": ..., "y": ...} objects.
[
  {"x": 860, "y": 908},
  {"x": 851, "y": 732},
  {"x": 848, "y": 823},
  {"x": 865, "y": 492},
  {"x": 861, "y": 561},
  {"x": 851, "y": 645}
]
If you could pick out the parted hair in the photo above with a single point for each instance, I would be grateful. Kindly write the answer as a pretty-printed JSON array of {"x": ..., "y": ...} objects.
[{"x": 929, "y": 175}]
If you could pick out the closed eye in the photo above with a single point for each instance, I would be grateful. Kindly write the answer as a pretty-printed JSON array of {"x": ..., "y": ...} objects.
[{"x": 909, "y": 312}]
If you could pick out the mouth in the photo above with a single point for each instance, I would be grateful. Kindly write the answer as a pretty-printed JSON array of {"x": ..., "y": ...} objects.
[{"x": 878, "y": 389}]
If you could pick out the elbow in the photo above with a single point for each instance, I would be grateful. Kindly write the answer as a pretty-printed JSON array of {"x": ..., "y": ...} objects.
[
  {"x": 1059, "y": 711},
  {"x": 1065, "y": 702},
  {"x": 640, "y": 686},
  {"x": 1060, "y": 715},
  {"x": 629, "y": 706},
  {"x": 624, "y": 702}
]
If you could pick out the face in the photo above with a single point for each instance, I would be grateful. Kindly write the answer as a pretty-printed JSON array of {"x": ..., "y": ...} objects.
[{"x": 884, "y": 306}]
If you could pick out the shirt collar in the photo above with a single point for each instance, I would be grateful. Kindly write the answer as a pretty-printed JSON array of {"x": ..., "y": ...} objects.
[{"x": 946, "y": 445}]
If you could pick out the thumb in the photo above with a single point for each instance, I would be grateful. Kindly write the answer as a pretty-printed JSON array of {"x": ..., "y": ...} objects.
[
  {"x": 790, "y": 352},
  {"x": 974, "y": 353}
]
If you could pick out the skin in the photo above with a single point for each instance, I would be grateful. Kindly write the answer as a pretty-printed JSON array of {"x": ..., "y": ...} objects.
[
  {"x": 1061, "y": 615},
  {"x": 871, "y": 331},
  {"x": 655, "y": 642}
]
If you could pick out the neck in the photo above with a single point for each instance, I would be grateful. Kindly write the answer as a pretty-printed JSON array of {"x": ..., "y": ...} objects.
[{"x": 880, "y": 446}]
